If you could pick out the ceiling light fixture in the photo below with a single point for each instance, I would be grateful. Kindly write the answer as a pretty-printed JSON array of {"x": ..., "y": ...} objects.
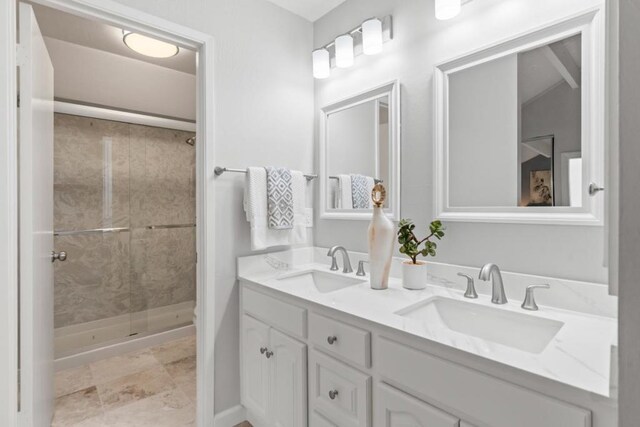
[
  {"x": 321, "y": 64},
  {"x": 372, "y": 36},
  {"x": 447, "y": 9},
  {"x": 148, "y": 46}
]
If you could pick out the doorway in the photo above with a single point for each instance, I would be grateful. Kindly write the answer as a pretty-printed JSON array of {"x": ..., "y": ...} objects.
[{"x": 36, "y": 332}]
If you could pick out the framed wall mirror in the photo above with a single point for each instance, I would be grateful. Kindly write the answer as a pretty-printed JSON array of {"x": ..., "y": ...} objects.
[
  {"x": 520, "y": 128},
  {"x": 360, "y": 146}
]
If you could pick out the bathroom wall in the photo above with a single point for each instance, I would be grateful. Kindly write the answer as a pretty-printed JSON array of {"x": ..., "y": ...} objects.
[
  {"x": 93, "y": 76},
  {"x": 263, "y": 115},
  {"x": 420, "y": 42},
  {"x": 109, "y": 174},
  {"x": 482, "y": 140}
]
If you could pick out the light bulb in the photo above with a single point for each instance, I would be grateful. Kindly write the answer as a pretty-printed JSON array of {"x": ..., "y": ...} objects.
[
  {"x": 447, "y": 9},
  {"x": 372, "y": 36},
  {"x": 344, "y": 51},
  {"x": 321, "y": 64}
]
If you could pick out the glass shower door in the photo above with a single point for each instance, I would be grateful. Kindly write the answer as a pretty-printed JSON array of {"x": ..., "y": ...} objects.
[
  {"x": 91, "y": 222},
  {"x": 163, "y": 256}
]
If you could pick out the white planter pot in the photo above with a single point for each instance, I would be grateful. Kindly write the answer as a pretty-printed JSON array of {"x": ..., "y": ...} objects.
[{"x": 414, "y": 276}]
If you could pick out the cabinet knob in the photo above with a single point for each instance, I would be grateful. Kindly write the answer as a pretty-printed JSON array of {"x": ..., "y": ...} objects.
[
  {"x": 263, "y": 350},
  {"x": 332, "y": 339},
  {"x": 333, "y": 394},
  {"x": 269, "y": 354}
]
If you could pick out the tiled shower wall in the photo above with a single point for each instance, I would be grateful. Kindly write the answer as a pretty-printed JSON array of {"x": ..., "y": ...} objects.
[{"x": 118, "y": 175}]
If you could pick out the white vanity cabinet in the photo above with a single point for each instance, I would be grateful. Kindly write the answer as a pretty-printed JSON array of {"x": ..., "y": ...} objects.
[
  {"x": 274, "y": 375},
  {"x": 394, "y": 408},
  {"x": 360, "y": 374}
]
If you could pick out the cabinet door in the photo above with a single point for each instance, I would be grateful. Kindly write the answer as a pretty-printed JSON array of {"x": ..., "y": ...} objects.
[
  {"x": 397, "y": 409},
  {"x": 255, "y": 367},
  {"x": 288, "y": 381}
]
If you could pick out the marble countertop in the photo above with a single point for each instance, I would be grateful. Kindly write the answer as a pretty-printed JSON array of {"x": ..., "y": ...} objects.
[{"x": 579, "y": 355}]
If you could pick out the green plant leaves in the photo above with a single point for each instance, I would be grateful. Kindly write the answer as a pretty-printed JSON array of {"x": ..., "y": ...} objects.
[{"x": 409, "y": 243}]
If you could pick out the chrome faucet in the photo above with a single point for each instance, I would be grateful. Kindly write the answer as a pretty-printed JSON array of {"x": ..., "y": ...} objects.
[
  {"x": 497, "y": 289},
  {"x": 346, "y": 262}
]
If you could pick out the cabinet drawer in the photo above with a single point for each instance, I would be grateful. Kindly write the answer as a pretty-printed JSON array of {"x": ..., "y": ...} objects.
[
  {"x": 351, "y": 405},
  {"x": 344, "y": 340},
  {"x": 396, "y": 409},
  {"x": 472, "y": 392},
  {"x": 318, "y": 420},
  {"x": 285, "y": 317}
]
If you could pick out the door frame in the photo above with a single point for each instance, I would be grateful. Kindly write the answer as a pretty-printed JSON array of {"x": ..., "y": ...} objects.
[{"x": 125, "y": 17}]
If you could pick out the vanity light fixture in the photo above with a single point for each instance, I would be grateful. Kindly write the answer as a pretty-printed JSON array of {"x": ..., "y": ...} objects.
[
  {"x": 321, "y": 64},
  {"x": 366, "y": 38},
  {"x": 372, "y": 36},
  {"x": 447, "y": 9},
  {"x": 344, "y": 51},
  {"x": 148, "y": 46}
]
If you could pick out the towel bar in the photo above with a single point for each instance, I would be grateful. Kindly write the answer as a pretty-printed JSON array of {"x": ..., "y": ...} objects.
[
  {"x": 376, "y": 180},
  {"x": 220, "y": 170}
]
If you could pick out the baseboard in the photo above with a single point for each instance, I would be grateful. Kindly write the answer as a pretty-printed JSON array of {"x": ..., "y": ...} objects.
[
  {"x": 131, "y": 344},
  {"x": 230, "y": 417}
]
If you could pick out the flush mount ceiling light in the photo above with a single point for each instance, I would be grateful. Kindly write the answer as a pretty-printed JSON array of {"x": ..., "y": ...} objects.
[
  {"x": 148, "y": 46},
  {"x": 447, "y": 9},
  {"x": 344, "y": 51},
  {"x": 372, "y": 36},
  {"x": 321, "y": 64}
]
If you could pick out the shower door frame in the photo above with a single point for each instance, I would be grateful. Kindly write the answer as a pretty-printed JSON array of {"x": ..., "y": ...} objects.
[{"x": 121, "y": 16}]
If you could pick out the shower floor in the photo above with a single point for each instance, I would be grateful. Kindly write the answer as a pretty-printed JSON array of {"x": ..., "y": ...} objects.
[{"x": 151, "y": 387}]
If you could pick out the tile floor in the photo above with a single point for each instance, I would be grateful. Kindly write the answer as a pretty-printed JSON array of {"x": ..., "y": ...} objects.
[{"x": 151, "y": 387}]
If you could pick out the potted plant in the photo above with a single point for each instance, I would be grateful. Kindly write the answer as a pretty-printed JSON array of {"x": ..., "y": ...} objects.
[{"x": 414, "y": 272}]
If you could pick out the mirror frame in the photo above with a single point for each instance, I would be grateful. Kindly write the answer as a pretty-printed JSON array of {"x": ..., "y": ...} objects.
[
  {"x": 591, "y": 24},
  {"x": 392, "y": 90}
]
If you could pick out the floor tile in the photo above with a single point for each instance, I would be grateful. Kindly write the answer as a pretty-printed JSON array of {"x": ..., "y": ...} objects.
[
  {"x": 175, "y": 350},
  {"x": 134, "y": 387},
  {"x": 76, "y": 407},
  {"x": 120, "y": 366},
  {"x": 72, "y": 380},
  {"x": 191, "y": 390},
  {"x": 168, "y": 409},
  {"x": 182, "y": 371}
]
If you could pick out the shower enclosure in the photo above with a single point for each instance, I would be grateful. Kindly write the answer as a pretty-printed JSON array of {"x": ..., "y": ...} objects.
[{"x": 124, "y": 211}]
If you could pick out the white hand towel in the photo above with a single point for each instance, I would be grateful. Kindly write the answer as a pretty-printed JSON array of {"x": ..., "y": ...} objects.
[
  {"x": 255, "y": 205},
  {"x": 371, "y": 182},
  {"x": 344, "y": 189}
]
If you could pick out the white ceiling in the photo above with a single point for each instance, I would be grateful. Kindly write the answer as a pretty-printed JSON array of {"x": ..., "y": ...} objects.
[
  {"x": 536, "y": 74},
  {"x": 85, "y": 32},
  {"x": 311, "y": 10}
]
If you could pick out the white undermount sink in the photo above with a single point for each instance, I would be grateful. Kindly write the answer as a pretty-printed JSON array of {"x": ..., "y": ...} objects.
[
  {"x": 324, "y": 282},
  {"x": 517, "y": 330}
]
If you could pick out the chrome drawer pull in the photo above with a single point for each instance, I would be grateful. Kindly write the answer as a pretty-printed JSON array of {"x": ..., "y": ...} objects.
[
  {"x": 333, "y": 394},
  {"x": 332, "y": 339}
]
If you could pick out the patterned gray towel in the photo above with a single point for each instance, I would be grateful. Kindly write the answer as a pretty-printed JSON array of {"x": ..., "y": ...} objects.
[
  {"x": 360, "y": 192},
  {"x": 279, "y": 198}
]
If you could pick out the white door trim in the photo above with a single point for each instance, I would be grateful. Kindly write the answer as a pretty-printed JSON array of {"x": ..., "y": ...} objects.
[{"x": 129, "y": 18}]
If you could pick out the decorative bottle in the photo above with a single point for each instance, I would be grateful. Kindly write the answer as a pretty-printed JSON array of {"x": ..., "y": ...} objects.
[{"x": 381, "y": 239}]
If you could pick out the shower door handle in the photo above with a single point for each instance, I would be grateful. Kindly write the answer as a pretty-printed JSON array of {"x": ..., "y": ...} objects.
[{"x": 58, "y": 256}]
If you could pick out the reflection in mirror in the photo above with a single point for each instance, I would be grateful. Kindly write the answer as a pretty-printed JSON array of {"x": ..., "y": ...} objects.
[
  {"x": 357, "y": 150},
  {"x": 515, "y": 129}
]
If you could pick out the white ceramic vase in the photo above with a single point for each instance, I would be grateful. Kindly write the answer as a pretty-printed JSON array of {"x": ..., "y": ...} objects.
[
  {"x": 381, "y": 238},
  {"x": 414, "y": 276}
]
